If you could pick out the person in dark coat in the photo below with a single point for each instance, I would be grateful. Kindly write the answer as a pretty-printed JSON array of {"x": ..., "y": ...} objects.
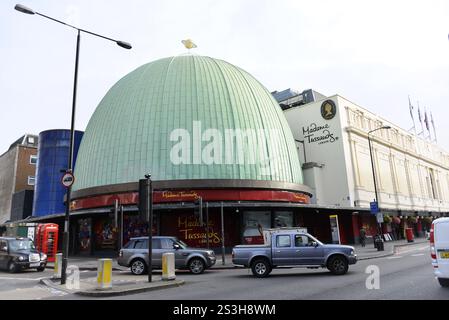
[{"x": 362, "y": 236}]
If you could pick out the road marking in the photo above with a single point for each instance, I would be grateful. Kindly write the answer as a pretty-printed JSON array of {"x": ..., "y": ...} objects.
[
  {"x": 395, "y": 257},
  {"x": 417, "y": 254}
]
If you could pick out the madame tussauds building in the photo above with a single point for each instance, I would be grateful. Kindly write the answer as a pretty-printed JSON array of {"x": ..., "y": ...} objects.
[{"x": 203, "y": 128}]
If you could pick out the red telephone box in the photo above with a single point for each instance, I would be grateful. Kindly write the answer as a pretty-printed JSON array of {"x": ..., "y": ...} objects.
[{"x": 47, "y": 240}]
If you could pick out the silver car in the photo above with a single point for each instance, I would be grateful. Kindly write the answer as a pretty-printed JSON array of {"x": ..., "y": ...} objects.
[{"x": 135, "y": 255}]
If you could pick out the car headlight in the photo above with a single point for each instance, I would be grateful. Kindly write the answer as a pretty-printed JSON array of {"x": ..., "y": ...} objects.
[
  {"x": 21, "y": 258},
  {"x": 43, "y": 256},
  {"x": 210, "y": 253},
  {"x": 352, "y": 252}
]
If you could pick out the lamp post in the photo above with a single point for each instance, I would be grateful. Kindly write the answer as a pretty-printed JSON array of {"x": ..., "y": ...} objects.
[
  {"x": 65, "y": 242},
  {"x": 149, "y": 214},
  {"x": 374, "y": 174}
]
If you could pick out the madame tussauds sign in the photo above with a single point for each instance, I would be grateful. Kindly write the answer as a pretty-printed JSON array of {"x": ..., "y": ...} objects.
[{"x": 319, "y": 134}]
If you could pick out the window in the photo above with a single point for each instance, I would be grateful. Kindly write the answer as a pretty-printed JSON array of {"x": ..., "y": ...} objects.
[
  {"x": 3, "y": 244},
  {"x": 167, "y": 243},
  {"x": 283, "y": 241},
  {"x": 143, "y": 244},
  {"x": 303, "y": 241},
  {"x": 432, "y": 184},
  {"x": 129, "y": 245},
  {"x": 31, "y": 140},
  {"x": 140, "y": 244},
  {"x": 31, "y": 180},
  {"x": 33, "y": 159}
]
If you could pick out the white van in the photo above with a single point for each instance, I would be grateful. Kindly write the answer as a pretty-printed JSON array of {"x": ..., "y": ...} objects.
[{"x": 439, "y": 250}]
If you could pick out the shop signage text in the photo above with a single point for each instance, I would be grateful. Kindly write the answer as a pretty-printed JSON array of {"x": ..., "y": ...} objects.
[
  {"x": 318, "y": 134},
  {"x": 191, "y": 230}
]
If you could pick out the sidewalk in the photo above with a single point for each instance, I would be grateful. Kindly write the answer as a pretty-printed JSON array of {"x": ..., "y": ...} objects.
[
  {"x": 122, "y": 284},
  {"x": 363, "y": 253},
  {"x": 369, "y": 252}
]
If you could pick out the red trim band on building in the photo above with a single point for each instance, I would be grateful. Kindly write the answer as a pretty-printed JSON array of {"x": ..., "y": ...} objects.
[{"x": 130, "y": 198}]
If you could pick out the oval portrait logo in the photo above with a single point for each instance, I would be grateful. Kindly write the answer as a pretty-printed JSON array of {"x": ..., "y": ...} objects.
[{"x": 328, "y": 109}]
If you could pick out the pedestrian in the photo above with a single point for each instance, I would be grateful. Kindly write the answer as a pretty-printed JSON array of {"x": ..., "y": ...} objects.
[{"x": 362, "y": 236}]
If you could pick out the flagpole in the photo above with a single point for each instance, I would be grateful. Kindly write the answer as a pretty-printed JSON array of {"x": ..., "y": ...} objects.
[
  {"x": 411, "y": 114},
  {"x": 420, "y": 122},
  {"x": 433, "y": 126}
]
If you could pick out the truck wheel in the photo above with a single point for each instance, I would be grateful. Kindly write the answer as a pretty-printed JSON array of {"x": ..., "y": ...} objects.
[
  {"x": 40, "y": 269},
  {"x": 138, "y": 267},
  {"x": 443, "y": 282},
  {"x": 261, "y": 268},
  {"x": 12, "y": 268},
  {"x": 196, "y": 266},
  {"x": 337, "y": 265}
]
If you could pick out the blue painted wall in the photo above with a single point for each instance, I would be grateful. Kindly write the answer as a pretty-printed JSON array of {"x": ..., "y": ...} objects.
[{"x": 53, "y": 154}]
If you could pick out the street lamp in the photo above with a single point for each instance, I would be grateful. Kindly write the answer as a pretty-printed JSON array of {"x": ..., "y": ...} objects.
[
  {"x": 65, "y": 242},
  {"x": 374, "y": 175}
]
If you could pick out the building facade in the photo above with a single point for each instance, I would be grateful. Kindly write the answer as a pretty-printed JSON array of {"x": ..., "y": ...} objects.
[
  {"x": 202, "y": 128},
  {"x": 412, "y": 174},
  {"x": 53, "y": 154},
  {"x": 17, "y": 178}
]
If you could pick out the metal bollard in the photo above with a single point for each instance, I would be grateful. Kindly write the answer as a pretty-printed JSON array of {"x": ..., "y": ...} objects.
[
  {"x": 104, "y": 274},
  {"x": 168, "y": 266},
  {"x": 58, "y": 264}
]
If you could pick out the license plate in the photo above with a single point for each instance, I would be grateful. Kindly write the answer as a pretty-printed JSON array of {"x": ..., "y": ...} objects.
[
  {"x": 444, "y": 255},
  {"x": 37, "y": 264}
]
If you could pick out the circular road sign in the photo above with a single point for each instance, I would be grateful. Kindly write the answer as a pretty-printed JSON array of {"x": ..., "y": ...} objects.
[{"x": 67, "y": 179}]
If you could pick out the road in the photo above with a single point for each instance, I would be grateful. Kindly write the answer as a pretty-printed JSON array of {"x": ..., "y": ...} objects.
[
  {"x": 25, "y": 286},
  {"x": 406, "y": 275}
]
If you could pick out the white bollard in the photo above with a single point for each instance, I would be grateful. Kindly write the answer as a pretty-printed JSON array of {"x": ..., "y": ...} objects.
[
  {"x": 168, "y": 266},
  {"x": 104, "y": 274},
  {"x": 58, "y": 266}
]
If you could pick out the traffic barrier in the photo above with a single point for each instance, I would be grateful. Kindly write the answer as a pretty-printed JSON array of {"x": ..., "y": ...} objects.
[
  {"x": 168, "y": 266},
  {"x": 58, "y": 266},
  {"x": 104, "y": 274}
]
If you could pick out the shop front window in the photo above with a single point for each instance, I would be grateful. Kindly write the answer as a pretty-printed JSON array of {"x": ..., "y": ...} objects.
[
  {"x": 84, "y": 241},
  {"x": 105, "y": 235},
  {"x": 283, "y": 219},
  {"x": 254, "y": 222}
]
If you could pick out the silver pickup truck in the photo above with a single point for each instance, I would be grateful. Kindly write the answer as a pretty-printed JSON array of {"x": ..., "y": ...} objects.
[{"x": 293, "y": 248}]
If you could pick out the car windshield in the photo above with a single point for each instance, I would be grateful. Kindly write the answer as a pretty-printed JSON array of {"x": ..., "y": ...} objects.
[
  {"x": 315, "y": 239},
  {"x": 182, "y": 243},
  {"x": 16, "y": 245}
]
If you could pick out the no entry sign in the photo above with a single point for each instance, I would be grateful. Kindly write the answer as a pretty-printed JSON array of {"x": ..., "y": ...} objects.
[{"x": 67, "y": 179}]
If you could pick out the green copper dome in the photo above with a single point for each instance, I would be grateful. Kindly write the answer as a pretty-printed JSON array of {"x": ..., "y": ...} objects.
[{"x": 181, "y": 118}]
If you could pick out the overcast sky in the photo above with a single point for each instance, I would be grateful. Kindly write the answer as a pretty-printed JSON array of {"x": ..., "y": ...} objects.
[{"x": 374, "y": 53}]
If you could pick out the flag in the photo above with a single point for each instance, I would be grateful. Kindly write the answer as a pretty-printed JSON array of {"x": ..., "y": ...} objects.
[
  {"x": 426, "y": 120},
  {"x": 433, "y": 125},
  {"x": 411, "y": 109}
]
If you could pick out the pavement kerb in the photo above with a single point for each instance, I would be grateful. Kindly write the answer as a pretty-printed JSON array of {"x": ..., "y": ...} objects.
[
  {"x": 116, "y": 291},
  {"x": 393, "y": 251}
]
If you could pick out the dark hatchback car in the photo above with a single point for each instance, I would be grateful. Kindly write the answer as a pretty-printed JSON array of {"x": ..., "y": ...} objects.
[{"x": 19, "y": 253}]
